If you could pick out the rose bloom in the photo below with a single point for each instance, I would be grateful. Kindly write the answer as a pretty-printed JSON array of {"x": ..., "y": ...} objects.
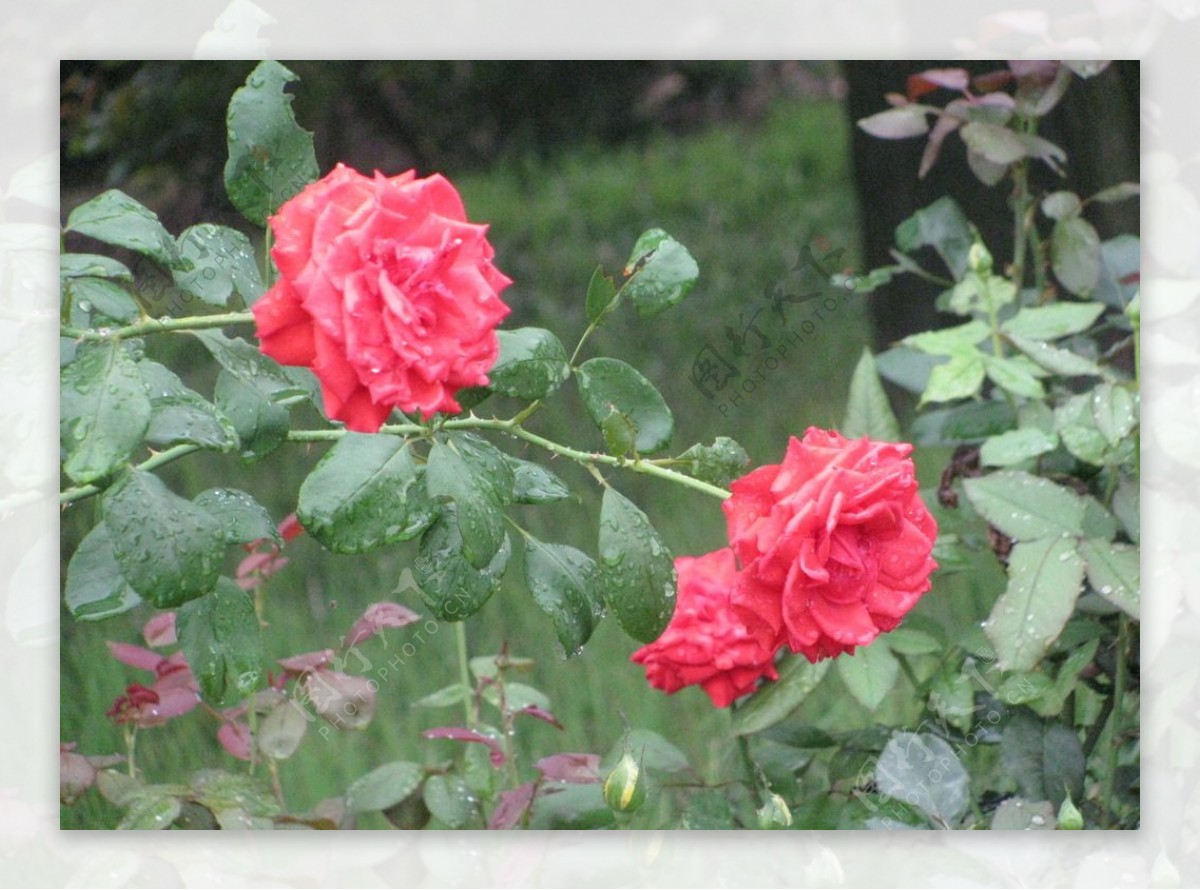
[
  {"x": 706, "y": 643},
  {"x": 835, "y": 543},
  {"x": 385, "y": 291}
]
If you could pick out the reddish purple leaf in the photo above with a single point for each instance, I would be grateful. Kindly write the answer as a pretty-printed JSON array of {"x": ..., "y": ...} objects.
[
  {"x": 135, "y": 656},
  {"x": 897, "y": 123},
  {"x": 160, "y": 630},
  {"x": 946, "y": 124},
  {"x": 460, "y": 734},
  {"x": 993, "y": 80},
  {"x": 576, "y": 769},
  {"x": 75, "y": 774},
  {"x": 235, "y": 738},
  {"x": 538, "y": 713},
  {"x": 376, "y": 618},
  {"x": 512, "y": 806},
  {"x": 927, "y": 81},
  {"x": 1034, "y": 71},
  {"x": 290, "y": 527},
  {"x": 308, "y": 661}
]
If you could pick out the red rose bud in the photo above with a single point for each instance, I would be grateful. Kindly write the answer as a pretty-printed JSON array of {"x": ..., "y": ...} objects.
[
  {"x": 625, "y": 787},
  {"x": 386, "y": 292},
  {"x": 706, "y": 643},
  {"x": 835, "y": 544}
]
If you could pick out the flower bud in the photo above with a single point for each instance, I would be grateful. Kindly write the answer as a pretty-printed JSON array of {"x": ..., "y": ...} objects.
[
  {"x": 979, "y": 259},
  {"x": 625, "y": 787},
  {"x": 774, "y": 813},
  {"x": 1069, "y": 817}
]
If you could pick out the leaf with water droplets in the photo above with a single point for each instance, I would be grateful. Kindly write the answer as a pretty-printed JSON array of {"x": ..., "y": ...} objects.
[
  {"x": 661, "y": 271},
  {"x": 95, "y": 587},
  {"x": 638, "y": 573},
  {"x": 365, "y": 493},
  {"x": 774, "y": 701},
  {"x": 455, "y": 589},
  {"x": 534, "y": 484},
  {"x": 179, "y": 414},
  {"x": 151, "y": 808},
  {"x": 270, "y": 157},
  {"x": 531, "y": 365},
  {"x": 1045, "y": 759},
  {"x": 104, "y": 410},
  {"x": 923, "y": 770},
  {"x": 1024, "y": 506},
  {"x": 1114, "y": 571},
  {"x": 219, "y": 635},
  {"x": 719, "y": 463},
  {"x": 565, "y": 584},
  {"x": 384, "y": 786},
  {"x": 169, "y": 550},
  {"x": 77, "y": 265},
  {"x": 222, "y": 264},
  {"x": 1044, "y": 578},
  {"x": 115, "y": 218},
  {"x": 259, "y": 424},
  {"x": 608, "y": 384},
  {"x": 93, "y": 300},
  {"x": 449, "y": 799},
  {"x": 478, "y": 479},
  {"x": 242, "y": 519}
]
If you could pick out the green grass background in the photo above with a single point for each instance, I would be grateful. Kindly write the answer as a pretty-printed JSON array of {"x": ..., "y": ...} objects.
[{"x": 744, "y": 199}]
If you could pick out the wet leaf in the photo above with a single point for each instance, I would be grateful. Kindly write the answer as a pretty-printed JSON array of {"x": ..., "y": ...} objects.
[
  {"x": 104, "y": 410},
  {"x": 531, "y": 365},
  {"x": 95, "y": 587},
  {"x": 115, "y": 218},
  {"x": 383, "y": 787},
  {"x": 638, "y": 571},
  {"x": 566, "y": 585},
  {"x": 607, "y": 385},
  {"x": 923, "y": 770},
  {"x": 219, "y": 634},
  {"x": 661, "y": 271},
  {"x": 868, "y": 412}
]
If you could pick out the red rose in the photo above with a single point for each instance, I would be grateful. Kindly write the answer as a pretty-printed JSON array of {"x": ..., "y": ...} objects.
[
  {"x": 385, "y": 291},
  {"x": 705, "y": 643},
  {"x": 834, "y": 543}
]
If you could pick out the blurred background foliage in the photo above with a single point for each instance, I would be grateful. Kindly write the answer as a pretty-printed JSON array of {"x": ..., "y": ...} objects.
[{"x": 745, "y": 163}]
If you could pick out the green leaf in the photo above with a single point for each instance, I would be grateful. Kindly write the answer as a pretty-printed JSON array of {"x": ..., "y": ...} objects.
[
  {"x": 565, "y": 584},
  {"x": 923, "y": 770},
  {"x": 517, "y": 697},
  {"x": 1053, "y": 321},
  {"x": 1045, "y": 759},
  {"x": 1015, "y": 375},
  {"x": 104, "y": 410},
  {"x": 649, "y": 749},
  {"x": 1016, "y": 446},
  {"x": 907, "y": 368},
  {"x": 708, "y": 810},
  {"x": 958, "y": 340},
  {"x": 222, "y": 264},
  {"x": 223, "y": 791},
  {"x": 959, "y": 378},
  {"x": 282, "y": 730},
  {"x": 1122, "y": 191},
  {"x": 248, "y": 363},
  {"x": 170, "y": 551},
  {"x": 601, "y": 295},
  {"x": 151, "y": 808},
  {"x": 619, "y": 432},
  {"x": 449, "y": 799},
  {"x": 1098, "y": 522},
  {"x": 1115, "y": 411},
  {"x": 1024, "y": 506},
  {"x": 241, "y": 518},
  {"x": 981, "y": 294},
  {"x": 1055, "y": 360},
  {"x": 638, "y": 571},
  {"x": 95, "y": 587},
  {"x": 719, "y": 463},
  {"x": 534, "y": 484},
  {"x": 1114, "y": 571},
  {"x": 1044, "y": 578},
  {"x": 944, "y": 227},
  {"x": 92, "y": 265},
  {"x": 1019, "y": 814},
  {"x": 1075, "y": 255},
  {"x": 775, "y": 701},
  {"x": 445, "y": 697},
  {"x": 455, "y": 589},
  {"x": 100, "y": 298},
  {"x": 869, "y": 674},
  {"x": 383, "y": 787},
  {"x": 115, "y": 218},
  {"x": 178, "y": 414},
  {"x": 219, "y": 634},
  {"x": 608, "y": 384},
  {"x": 452, "y": 473},
  {"x": 996, "y": 143},
  {"x": 868, "y": 412},
  {"x": 270, "y": 157},
  {"x": 661, "y": 271},
  {"x": 1062, "y": 204},
  {"x": 260, "y": 424},
  {"x": 367, "y": 491},
  {"x": 532, "y": 364},
  {"x": 910, "y": 641},
  {"x": 963, "y": 424},
  {"x": 1127, "y": 505}
]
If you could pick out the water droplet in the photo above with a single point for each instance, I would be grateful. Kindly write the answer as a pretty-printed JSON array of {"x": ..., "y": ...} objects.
[{"x": 1037, "y": 820}]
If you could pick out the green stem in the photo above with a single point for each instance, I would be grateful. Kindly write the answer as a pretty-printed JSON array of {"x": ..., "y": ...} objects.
[
  {"x": 1115, "y": 729},
  {"x": 252, "y": 723},
  {"x": 464, "y": 672},
  {"x": 159, "y": 326},
  {"x": 130, "y": 746},
  {"x": 78, "y": 493}
]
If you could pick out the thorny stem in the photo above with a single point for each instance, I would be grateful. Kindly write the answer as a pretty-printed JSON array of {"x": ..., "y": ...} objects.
[
  {"x": 587, "y": 458},
  {"x": 159, "y": 326}
]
